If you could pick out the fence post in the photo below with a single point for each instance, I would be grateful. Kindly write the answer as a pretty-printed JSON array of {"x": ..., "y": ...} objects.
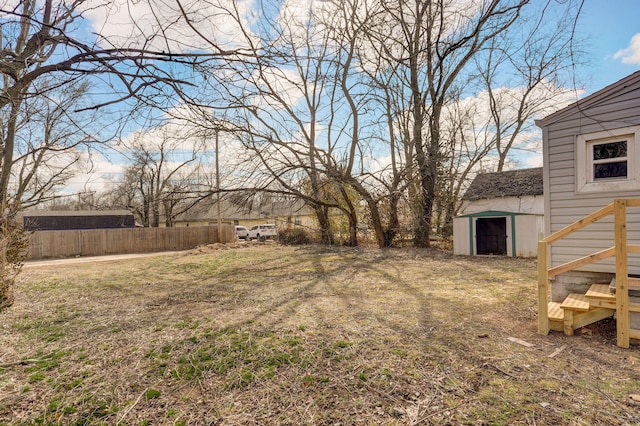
[{"x": 622, "y": 293}]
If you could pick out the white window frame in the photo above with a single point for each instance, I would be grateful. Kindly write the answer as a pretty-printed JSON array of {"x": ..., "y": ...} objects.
[{"x": 585, "y": 182}]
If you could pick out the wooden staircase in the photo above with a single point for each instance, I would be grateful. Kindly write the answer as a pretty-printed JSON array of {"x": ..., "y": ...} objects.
[{"x": 579, "y": 310}]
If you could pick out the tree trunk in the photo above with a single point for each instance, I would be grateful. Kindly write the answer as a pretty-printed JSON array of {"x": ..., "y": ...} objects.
[
  {"x": 352, "y": 216},
  {"x": 7, "y": 154},
  {"x": 394, "y": 222},
  {"x": 326, "y": 234}
]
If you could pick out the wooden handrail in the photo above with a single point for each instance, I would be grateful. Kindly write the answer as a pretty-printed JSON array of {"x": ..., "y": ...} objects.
[
  {"x": 586, "y": 260},
  {"x": 543, "y": 288},
  {"x": 583, "y": 261},
  {"x": 577, "y": 225}
]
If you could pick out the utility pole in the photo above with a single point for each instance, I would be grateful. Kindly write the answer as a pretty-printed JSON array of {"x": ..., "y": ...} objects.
[{"x": 218, "y": 190}]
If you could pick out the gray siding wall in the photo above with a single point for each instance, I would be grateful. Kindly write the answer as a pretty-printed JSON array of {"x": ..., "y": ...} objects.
[{"x": 563, "y": 205}]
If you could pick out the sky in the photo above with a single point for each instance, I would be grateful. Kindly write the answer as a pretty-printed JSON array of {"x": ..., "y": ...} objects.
[
  {"x": 611, "y": 33},
  {"x": 609, "y": 26}
]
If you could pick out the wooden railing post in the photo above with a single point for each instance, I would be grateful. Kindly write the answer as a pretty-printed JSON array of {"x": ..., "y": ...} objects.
[
  {"x": 622, "y": 293},
  {"x": 543, "y": 288}
]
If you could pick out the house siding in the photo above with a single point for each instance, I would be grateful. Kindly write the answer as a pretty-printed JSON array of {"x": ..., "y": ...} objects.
[{"x": 617, "y": 106}]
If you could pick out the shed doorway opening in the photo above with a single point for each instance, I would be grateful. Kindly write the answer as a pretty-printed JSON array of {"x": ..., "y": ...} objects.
[{"x": 491, "y": 235}]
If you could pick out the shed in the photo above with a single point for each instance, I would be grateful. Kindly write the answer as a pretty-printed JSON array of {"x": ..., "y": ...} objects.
[
  {"x": 47, "y": 220},
  {"x": 501, "y": 214}
]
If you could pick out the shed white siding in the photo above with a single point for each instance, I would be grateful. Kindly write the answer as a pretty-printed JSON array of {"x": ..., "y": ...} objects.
[
  {"x": 461, "y": 242},
  {"x": 529, "y": 204},
  {"x": 528, "y": 229},
  {"x": 615, "y": 107}
]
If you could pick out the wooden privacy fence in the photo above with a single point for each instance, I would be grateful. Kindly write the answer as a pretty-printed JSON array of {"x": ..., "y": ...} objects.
[{"x": 98, "y": 242}]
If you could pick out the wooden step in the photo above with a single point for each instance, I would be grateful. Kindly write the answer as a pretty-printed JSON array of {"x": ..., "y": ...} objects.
[
  {"x": 633, "y": 286},
  {"x": 555, "y": 312},
  {"x": 600, "y": 296},
  {"x": 575, "y": 302},
  {"x": 600, "y": 292},
  {"x": 578, "y": 312},
  {"x": 556, "y": 316}
]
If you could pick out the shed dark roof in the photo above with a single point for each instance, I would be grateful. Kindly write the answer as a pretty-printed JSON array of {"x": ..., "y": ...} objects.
[
  {"x": 514, "y": 183},
  {"x": 43, "y": 220},
  {"x": 74, "y": 213}
]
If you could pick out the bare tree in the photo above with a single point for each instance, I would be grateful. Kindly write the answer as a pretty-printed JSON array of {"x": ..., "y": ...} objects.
[
  {"x": 467, "y": 142},
  {"x": 50, "y": 145},
  {"x": 41, "y": 52},
  {"x": 166, "y": 177},
  {"x": 522, "y": 73},
  {"x": 280, "y": 104},
  {"x": 348, "y": 30},
  {"x": 434, "y": 46},
  {"x": 305, "y": 115},
  {"x": 520, "y": 76}
]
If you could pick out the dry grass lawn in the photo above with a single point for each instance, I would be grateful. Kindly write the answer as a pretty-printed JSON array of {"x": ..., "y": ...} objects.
[{"x": 264, "y": 334}]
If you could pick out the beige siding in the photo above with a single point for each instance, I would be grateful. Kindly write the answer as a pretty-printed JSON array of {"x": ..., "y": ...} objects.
[
  {"x": 563, "y": 205},
  {"x": 529, "y": 230},
  {"x": 461, "y": 236},
  {"x": 528, "y": 204}
]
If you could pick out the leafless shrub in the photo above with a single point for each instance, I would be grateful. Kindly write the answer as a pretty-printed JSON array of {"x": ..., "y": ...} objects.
[
  {"x": 13, "y": 247},
  {"x": 294, "y": 236}
]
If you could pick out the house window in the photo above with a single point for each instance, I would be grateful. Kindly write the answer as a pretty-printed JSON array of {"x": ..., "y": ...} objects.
[
  {"x": 609, "y": 160},
  {"x": 606, "y": 161}
]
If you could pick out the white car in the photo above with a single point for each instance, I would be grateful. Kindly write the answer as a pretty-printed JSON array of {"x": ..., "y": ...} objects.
[
  {"x": 262, "y": 232},
  {"x": 241, "y": 232}
]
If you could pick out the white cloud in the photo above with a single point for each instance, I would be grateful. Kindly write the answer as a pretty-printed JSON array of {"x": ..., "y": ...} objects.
[
  {"x": 96, "y": 173},
  {"x": 631, "y": 54},
  {"x": 297, "y": 15},
  {"x": 533, "y": 161},
  {"x": 163, "y": 25},
  {"x": 278, "y": 88},
  {"x": 180, "y": 137}
]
